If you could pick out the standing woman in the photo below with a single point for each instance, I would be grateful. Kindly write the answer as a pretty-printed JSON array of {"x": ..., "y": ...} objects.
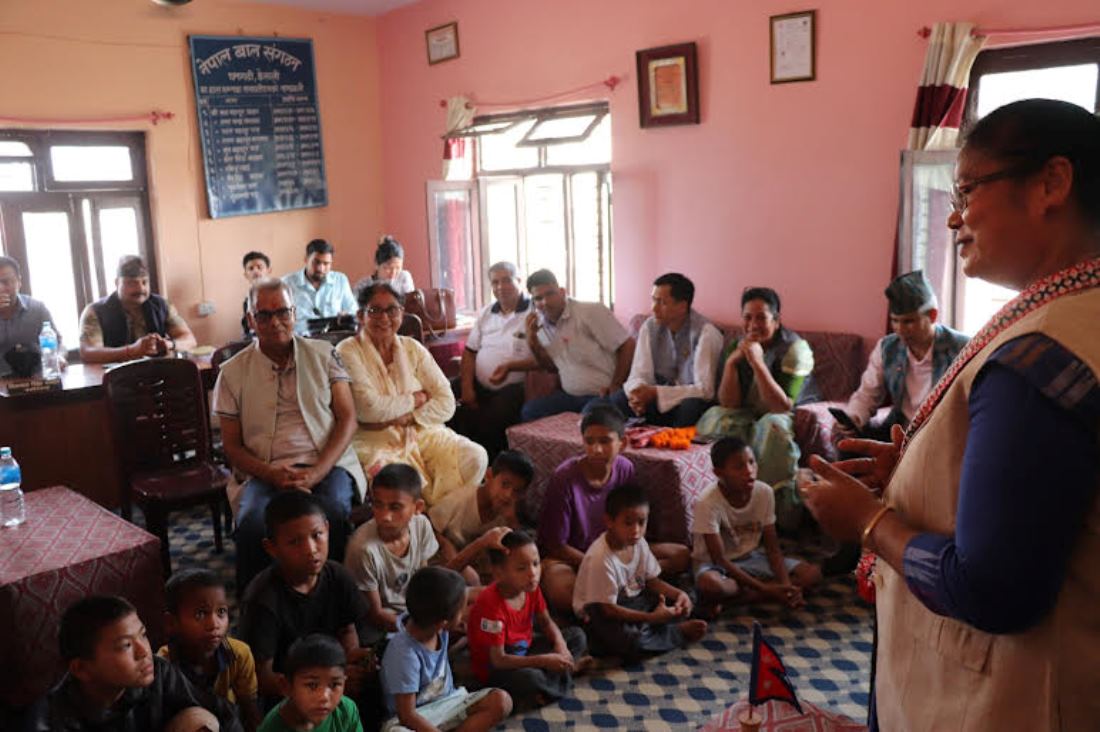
[
  {"x": 402, "y": 400},
  {"x": 988, "y": 532},
  {"x": 390, "y": 259}
]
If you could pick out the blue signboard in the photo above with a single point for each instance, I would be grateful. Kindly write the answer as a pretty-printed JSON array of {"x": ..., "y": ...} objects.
[{"x": 260, "y": 126}]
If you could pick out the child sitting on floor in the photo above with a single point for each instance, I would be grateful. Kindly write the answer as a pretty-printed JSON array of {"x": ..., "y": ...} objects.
[
  {"x": 465, "y": 515},
  {"x": 573, "y": 510},
  {"x": 200, "y": 646},
  {"x": 732, "y": 519},
  {"x": 313, "y": 679},
  {"x": 384, "y": 553},
  {"x": 416, "y": 674},
  {"x": 628, "y": 610},
  {"x": 116, "y": 682},
  {"x": 504, "y": 650},
  {"x": 301, "y": 593}
]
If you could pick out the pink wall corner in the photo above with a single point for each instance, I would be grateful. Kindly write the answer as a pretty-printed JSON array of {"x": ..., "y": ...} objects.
[
  {"x": 116, "y": 57},
  {"x": 790, "y": 185}
]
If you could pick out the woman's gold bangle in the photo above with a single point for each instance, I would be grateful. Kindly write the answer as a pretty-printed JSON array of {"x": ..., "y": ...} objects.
[{"x": 872, "y": 524}]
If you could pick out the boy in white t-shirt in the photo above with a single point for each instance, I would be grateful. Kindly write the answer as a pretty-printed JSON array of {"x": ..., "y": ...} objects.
[
  {"x": 466, "y": 515},
  {"x": 732, "y": 519},
  {"x": 627, "y": 609}
]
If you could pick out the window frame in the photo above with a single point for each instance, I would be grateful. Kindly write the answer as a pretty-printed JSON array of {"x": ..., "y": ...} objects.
[
  {"x": 50, "y": 194},
  {"x": 1027, "y": 58}
]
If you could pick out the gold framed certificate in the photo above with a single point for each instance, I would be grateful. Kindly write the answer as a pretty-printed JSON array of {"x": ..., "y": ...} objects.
[{"x": 792, "y": 47}]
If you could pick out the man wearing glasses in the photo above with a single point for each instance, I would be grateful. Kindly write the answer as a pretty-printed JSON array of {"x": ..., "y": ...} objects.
[{"x": 287, "y": 419}]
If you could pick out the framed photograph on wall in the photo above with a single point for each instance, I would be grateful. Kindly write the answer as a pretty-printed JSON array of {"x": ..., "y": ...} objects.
[
  {"x": 442, "y": 42},
  {"x": 668, "y": 86},
  {"x": 793, "y": 47}
]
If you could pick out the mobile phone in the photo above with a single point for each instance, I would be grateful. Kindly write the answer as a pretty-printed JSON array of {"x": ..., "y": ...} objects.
[{"x": 841, "y": 416}]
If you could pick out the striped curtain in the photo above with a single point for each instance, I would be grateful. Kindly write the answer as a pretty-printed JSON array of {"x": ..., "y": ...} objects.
[
  {"x": 456, "y": 150},
  {"x": 941, "y": 98}
]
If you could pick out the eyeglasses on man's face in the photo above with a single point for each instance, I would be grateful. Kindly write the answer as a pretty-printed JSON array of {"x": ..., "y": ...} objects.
[
  {"x": 377, "y": 311},
  {"x": 266, "y": 316},
  {"x": 960, "y": 192}
]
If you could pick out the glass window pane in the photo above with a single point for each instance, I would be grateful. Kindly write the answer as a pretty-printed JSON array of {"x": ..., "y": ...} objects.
[
  {"x": 544, "y": 214},
  {"x": 14, "y": 149},
  {"x": 50, "y": 261},
  {"x": 86, "y": 162},
  {"x": 1074, "y": 84},
  {"x": 555, "y": 127},
  {"x": 16, "y": 177},
  {"x": 453, "y": 257},
  {"x": 586, "y": 240},
  {"x": 980, "y": 301},
  {"x": 483, "y": 128},
  {"x": 499, "y": 152},
  {"x": 118, "y": 234},
  {"x": 592, "y": 151},
  {"x": 502, "y": 214}
]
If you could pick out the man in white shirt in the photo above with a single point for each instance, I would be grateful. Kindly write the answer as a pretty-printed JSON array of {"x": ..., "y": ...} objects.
[
  {"x": 319, "y": 291},
  {"x": 674, "y": 374},
  {"x": 906, "y": 364},
  {"x": 489, "y": 389},
  {"x": 582, "y": 341}
]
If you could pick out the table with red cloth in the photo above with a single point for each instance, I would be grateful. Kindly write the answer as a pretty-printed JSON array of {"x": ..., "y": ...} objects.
[
  {"x": 68, "y": 548},
  {"x": 782, "y": 717},
  {"x": 674, "y": 479}
]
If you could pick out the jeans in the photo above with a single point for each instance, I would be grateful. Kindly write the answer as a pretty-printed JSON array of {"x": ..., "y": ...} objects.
[
  {"x": 335, "y": 492},
  {"x": 684, "y": 414},
  {"x": 496, "y": 411},
  {"x": 555, "y": 403}
]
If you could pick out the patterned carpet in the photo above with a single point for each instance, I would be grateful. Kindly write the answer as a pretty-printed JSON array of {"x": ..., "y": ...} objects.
[{"x": 826, "y": 647}]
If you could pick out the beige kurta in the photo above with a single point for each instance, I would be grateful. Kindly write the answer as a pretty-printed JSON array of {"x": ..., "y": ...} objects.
[
  {"x": 938, "y": 673},
  {"x": 445, "y": 460}
]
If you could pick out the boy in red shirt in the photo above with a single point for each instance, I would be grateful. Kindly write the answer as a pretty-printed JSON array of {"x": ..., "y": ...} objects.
[{"x": 503, "y": 650}]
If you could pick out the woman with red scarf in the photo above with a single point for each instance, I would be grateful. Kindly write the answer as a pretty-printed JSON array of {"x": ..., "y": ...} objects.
[{"x": 987, "y": 530}]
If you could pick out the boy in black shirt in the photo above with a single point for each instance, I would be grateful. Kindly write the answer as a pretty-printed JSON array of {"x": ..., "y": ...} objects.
[{"x": 301, "y": 593}]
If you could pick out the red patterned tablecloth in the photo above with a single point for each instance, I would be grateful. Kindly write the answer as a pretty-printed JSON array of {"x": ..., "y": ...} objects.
[
  {"x": 68, "y": 547},
  {"x": 674, "y": 479},
  {"x": 782, "y": 717}
]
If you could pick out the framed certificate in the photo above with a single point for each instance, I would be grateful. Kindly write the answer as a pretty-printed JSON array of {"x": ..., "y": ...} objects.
[
  {"x": 668, "y": 85},
  {"x": 792, "y": 47},
  {"x": 442, "y": 42}
]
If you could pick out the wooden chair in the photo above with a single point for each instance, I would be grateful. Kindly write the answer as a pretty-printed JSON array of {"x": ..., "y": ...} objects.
[
  {"x": 412, "y": 326},
  {"x": 161, "y": 429}
]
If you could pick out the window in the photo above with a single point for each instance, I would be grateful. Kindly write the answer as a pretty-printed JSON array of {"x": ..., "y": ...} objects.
[
  {"x": 71, "y": 204},
  {"x": 1069, "y": 71},
  {"x": 541, "y": 198}
]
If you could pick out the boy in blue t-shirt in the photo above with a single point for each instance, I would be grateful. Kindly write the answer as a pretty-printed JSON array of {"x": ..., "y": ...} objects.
[{"x": 416, "y": 675}]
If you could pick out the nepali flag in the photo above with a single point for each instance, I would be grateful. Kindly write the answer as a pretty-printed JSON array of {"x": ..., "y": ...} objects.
[{"x": 769, "y": 676}]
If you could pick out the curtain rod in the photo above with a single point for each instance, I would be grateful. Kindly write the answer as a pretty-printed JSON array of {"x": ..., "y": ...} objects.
[{"x": 925, "y": 32}]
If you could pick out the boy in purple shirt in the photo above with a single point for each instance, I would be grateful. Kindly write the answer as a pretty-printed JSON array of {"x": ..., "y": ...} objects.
[{"x": 573, "y": 512}]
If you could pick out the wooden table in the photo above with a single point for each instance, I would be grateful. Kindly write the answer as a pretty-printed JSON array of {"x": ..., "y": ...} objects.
[
  {"x": 67, "y": 548},
  {"x": 64, "y": 437}
]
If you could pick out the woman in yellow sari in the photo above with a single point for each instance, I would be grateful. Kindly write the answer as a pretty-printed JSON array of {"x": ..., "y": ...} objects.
[{"x": 402, "y": 400}]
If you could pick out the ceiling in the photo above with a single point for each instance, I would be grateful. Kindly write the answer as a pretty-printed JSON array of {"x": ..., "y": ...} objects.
[{"x": 358, "y": 7}]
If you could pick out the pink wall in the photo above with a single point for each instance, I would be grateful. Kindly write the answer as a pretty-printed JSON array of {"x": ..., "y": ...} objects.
[
  {"x": 81, "y": 59},
  {"x": 790, "y": 185}
]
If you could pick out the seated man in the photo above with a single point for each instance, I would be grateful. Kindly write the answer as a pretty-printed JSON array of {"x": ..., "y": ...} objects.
[
  {"x": 132, "y": 322},
  {"x": 905, "y": 364},
  {"x": 257, "y": 266},
  {"x": 490, "y": 385},
  {"x": 319, "y": 291},
  {"x": 21, "y": 316},
  {"x": 287, "y": 419},
  {"x": 582, "y": 341},
  {"x": 674, "y": 374}
]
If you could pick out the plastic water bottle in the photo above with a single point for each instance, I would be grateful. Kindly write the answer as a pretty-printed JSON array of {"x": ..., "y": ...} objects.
[
  {"x": 12, "y": 512},
  {"x": 47, "y": 344}
]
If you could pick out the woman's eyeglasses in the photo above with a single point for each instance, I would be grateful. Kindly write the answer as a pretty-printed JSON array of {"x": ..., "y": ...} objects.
[
  {"x": 961, "y": 191},
  {"x": 376, "y": 311}
]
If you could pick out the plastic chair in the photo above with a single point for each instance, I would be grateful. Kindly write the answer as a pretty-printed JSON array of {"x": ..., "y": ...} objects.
[{"x": 161, "y": 432}]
